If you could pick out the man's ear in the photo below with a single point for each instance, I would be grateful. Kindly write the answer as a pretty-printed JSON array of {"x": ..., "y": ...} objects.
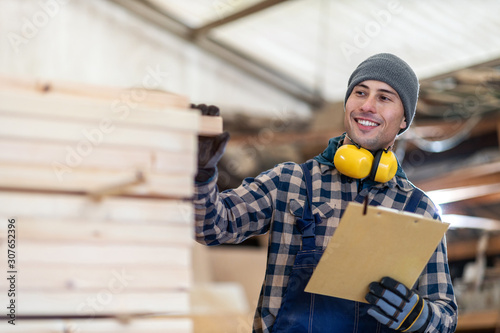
[{"x": 403, "y": 123}]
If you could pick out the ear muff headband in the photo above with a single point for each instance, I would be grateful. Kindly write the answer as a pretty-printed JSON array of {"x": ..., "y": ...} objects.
[
  {"x": 376, "y": 162},
  {"x": 359, "y": 163}
]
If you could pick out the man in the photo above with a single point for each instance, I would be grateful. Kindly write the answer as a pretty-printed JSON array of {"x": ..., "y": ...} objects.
[{"x": 300, "y": 207}]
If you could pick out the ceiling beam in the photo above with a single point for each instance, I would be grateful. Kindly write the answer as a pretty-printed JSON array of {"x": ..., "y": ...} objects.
[
  {"x": 476, "y": 175},
  {"x": 442, "y": 76},
  {"x": 471, "y": 222},
  {"x": 203, "y": 30},
  {"x": 243, "y": 62},
  {"x": 448, "y": 195},
  {"x": 464, "y": 250}
]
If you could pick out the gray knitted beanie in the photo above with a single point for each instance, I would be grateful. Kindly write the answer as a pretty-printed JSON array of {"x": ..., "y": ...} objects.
[{"x": 395, "y": 72}]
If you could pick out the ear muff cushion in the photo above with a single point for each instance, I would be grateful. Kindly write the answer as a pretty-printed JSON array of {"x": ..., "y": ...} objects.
[
  {"x": 385, "y": 167},
  {"x": 353, "y": 162}
]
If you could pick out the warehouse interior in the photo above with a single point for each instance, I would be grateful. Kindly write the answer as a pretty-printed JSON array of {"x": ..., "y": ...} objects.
[{"x": 278, "y": 71}]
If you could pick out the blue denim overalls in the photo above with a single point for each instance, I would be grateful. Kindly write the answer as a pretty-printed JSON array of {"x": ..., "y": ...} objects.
[{"x": 306, "y": 312}]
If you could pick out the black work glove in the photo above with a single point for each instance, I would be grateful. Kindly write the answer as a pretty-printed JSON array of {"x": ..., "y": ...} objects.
[
  {"x": 210, "y": 149},
  {"x": 397, "y": 306}
]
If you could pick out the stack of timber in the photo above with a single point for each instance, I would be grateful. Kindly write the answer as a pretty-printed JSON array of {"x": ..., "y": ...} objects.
[{"x": 98, "y": 182}]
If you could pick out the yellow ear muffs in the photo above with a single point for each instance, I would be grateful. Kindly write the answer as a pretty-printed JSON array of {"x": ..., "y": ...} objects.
[
  {"x": 353, "y": 162},
  {"x": 360, "y": 163},
  {"x": 384, "y": 166}
]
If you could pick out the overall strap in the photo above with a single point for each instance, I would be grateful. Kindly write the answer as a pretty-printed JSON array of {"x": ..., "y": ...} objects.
[
  {"x": 412, "y": 204},
  {"x": 307, "y": 224}
]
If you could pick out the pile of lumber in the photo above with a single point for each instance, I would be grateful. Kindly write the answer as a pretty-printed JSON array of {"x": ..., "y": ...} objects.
[{"x": 99, "y": 182}]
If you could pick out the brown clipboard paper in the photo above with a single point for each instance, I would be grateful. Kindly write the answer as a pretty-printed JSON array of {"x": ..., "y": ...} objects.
[{"x": 365, "y": 248}]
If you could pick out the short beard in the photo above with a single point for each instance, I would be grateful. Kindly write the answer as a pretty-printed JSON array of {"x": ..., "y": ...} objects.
[{"x": 370, "y": 144}]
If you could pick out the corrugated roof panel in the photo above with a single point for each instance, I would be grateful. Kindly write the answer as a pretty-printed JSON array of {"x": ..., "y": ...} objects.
[
  {"x": 196, "y": 13},
  {"x": 433, "y": 36}
]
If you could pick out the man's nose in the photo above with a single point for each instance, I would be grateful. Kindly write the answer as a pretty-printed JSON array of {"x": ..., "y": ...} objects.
[{"x": 369, "y": 104}]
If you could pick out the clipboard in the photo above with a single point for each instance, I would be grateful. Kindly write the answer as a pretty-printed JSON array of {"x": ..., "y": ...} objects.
[{"x": 367, "y": 247}]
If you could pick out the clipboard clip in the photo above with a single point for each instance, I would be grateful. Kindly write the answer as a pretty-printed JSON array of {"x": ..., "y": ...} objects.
[{"x": 365, "y": 204}]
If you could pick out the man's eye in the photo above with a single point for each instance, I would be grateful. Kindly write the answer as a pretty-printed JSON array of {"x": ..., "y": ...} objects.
[
  {"x": 360, "y": 93},
  {"x": 385, "y": 98}
]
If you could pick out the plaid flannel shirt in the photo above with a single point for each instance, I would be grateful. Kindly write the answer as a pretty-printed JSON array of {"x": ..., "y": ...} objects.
[{"x": 272, "y": 201}]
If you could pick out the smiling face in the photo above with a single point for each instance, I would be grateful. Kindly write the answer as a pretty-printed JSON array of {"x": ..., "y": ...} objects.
[{"x": 374, "y": 115}]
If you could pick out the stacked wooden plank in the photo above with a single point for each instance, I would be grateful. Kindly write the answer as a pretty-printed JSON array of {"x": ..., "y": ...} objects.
[{"x": 100, "y": 190}]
